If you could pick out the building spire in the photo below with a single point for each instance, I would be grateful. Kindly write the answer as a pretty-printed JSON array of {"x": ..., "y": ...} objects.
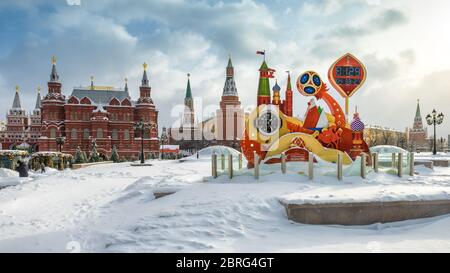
[
  {"x": 418, "y": 115},
  {"x": 54, "y": 77},
  {"x": 16, "y": 102},
  {"x": 289, "y": 86},
  {"x": 126, "y": 84},
  {"x": 188, "y": 87},
  {"x": 145, "y": 81},
  {"x": 229, "y": 88},
  {"x": 92, "y": 83},
  {"x": 38, "y": 99}
]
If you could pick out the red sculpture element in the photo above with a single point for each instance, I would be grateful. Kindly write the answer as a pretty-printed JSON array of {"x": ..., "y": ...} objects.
[{"x": 331, "y": 137}]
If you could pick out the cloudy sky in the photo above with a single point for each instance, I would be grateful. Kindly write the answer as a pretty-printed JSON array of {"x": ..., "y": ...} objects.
[{"x": 403, "y": 43}]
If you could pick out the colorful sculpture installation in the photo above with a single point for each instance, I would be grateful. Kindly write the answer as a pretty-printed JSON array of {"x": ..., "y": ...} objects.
[{"x": 270, "y": 132}]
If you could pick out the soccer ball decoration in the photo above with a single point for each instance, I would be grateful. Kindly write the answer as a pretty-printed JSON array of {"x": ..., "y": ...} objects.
[{"x": 309, "y": 83}]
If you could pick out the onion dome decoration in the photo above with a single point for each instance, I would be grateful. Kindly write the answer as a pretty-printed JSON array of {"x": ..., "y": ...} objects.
[
  {"x": 276, "y": 87},
  {"x": 357, "y": 125}
]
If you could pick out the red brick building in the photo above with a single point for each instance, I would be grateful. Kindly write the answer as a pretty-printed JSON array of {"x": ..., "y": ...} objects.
[
  {"x": 21, "y": 129},
  {"x": 101, "y": 113}
]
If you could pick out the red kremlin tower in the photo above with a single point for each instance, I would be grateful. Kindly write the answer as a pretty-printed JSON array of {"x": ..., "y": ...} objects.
[
  {"x": 230, "y": 116},
  {"x": 286, "y": 104},
  {"x": 264, "y": 86}
]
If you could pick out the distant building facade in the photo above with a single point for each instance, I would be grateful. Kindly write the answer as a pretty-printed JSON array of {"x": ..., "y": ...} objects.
[{"x": 21, "y": 129}]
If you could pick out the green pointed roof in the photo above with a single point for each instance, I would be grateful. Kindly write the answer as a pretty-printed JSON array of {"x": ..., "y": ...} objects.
[
  {"x": 264, "y": 66},
  {"x": 188, "y": 89},
  {"x": 230, "y": 64},
  {"x": 264, "y": 84},
  {"x": 418, "y": 115}
]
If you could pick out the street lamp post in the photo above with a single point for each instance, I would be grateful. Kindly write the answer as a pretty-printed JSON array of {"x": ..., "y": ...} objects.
[
  {"x": 141, "y": 125},
  {"x": 435, "y": 119},
  {"x": 60, "y": 141}
]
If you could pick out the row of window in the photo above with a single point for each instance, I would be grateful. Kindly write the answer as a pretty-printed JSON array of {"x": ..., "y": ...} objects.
[
  {"x": 99, "y": 133},
  {"x": 87, "y": 116}
]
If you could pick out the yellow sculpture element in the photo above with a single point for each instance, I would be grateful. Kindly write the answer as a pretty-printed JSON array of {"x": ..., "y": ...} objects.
[
  {"x": 145, "y": 66},
  {"x": 311, "y": 144},
  {"x": 53, "y": 60},
  {"x": 126, "y": 80},
  {"x": 17, "y": 89},
  {"x": 39, "y": 89}
]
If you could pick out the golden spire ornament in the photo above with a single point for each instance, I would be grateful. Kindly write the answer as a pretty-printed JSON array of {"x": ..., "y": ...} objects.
[
  {"x": 17, "y": 89},
  {"x": 53, "y": 60},
  {"x": 39, "y": 89},
  {"x": 145, "y": 65}
]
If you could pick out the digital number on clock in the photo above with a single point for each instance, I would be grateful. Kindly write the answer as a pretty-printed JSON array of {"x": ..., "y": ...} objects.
[{"x": 348, "y": 71}]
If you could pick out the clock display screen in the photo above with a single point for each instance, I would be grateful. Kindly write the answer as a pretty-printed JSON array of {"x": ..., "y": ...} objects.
[{"x": 348, "y": 71}]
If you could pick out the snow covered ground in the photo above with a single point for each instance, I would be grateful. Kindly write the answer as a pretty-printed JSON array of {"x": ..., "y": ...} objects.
[{"x": 111, "y": 208}]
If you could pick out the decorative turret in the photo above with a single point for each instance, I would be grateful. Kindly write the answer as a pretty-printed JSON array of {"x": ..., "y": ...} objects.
[
  {"x": 288, "y": 102},
  {"x": 38, "y": 104},
  {"x": 418, "y": 125},
  {"x": 145, "y": 89},
  {"x": 145, "y": 81},
  {"x": 357, "y": 127},
  {"x": 229, "y": 88},
  {"x": 264, "y": 86},
  {"x": 54, "y": 86},
  {"x": 126, "y": 85},
  {"x": 276, "y": 94},
  {"x": 188, "y": 116},
  {"x": 16, "y": 103},
  {"x": 230, "y": 68},
  {"x": 54, "y": 75}
]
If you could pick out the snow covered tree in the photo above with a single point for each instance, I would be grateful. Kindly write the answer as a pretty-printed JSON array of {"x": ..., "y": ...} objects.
[
  {"x": 94, "y": 154},
  {"x": 79, "y": 156},
  {"x": 115, "y": 155}
]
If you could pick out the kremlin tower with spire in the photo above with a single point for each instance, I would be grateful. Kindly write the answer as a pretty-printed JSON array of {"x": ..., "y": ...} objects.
[
  {"x": 230, "y": 117},
  {"x": 418, "y": 133}
]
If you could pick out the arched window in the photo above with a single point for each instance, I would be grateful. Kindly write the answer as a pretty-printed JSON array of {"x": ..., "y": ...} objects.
[
  {"x": 86, "y": 133},
  {"x": 115, "y": 134},
  {"x": 52, "y": 132},
  {"x": 73, "y": 134},
  {"x": 99, "y": 133},
  {"x": 126, "y": 134}
]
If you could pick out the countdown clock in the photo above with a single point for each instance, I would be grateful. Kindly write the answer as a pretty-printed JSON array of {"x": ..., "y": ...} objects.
[
  {"x": 347, "y": 75},
  {"x": 268, "y": 123}
]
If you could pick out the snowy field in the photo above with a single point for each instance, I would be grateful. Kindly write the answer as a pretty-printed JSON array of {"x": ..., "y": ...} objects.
[{"x": 111, "y": 208}]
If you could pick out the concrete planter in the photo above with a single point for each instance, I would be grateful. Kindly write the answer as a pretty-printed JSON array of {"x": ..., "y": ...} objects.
[{"x": 350, "y": 214}]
